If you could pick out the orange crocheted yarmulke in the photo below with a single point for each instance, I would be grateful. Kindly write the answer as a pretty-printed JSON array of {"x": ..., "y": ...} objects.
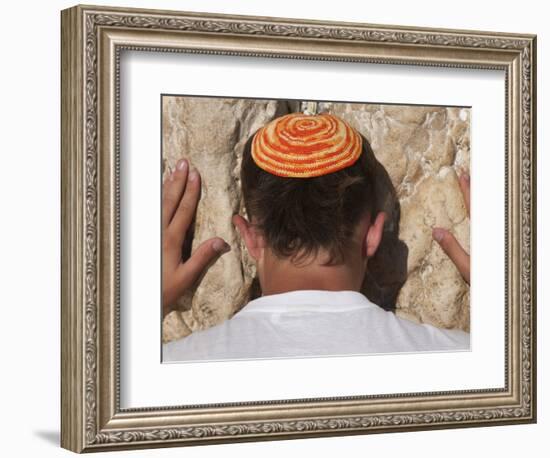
[{"x": 298, "y": 145}]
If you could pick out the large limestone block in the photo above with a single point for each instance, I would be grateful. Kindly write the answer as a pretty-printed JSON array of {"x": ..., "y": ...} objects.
[
  {"x": 434, "y": 291},
  {"x": 210, "y": 133},
  {"x": 422, "y": 149}
]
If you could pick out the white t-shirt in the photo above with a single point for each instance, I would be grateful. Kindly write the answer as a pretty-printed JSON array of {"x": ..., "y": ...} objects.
[{"x": 312, "y": 323}]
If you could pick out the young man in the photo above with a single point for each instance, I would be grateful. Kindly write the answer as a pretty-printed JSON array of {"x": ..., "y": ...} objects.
[{"x": 312, "y": 227}]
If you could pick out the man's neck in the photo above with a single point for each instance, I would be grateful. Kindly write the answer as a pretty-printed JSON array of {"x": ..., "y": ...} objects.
[{"x": 281, "y": 276}]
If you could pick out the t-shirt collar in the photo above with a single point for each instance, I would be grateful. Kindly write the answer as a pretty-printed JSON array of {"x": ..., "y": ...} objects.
[{"x": 309, "y": 301}]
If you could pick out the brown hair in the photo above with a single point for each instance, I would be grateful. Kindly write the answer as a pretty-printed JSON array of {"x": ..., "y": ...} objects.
[{"x": 300, "y": 216}]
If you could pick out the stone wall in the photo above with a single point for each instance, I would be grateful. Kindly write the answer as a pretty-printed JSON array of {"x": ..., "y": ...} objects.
[{"x": 417, "y": 152}]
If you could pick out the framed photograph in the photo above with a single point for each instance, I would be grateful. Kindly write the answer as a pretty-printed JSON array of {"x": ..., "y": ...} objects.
[{"x": 279, "y": 228}]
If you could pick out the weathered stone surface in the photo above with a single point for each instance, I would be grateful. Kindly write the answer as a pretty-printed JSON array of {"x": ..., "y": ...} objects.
[
  {"x": 417, "y": 152},
  {"x": 211, "y": 133},
  {"x": 422, "y": 149}
]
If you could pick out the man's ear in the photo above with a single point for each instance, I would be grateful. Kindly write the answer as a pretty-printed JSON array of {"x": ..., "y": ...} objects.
[
  {"x": 251, "y": 238},
  {"x": 374, "y": 234}
]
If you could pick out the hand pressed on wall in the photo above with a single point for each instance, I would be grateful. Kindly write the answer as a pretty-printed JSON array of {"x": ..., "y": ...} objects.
[
  {"x": 180, "y": 196},
  {"x": 448, "y": 242}
]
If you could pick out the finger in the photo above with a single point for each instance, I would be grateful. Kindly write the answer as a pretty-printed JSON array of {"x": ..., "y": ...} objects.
[
  {"x": 464, "y": 183},
  {"x": 204, "y": 256},
  {"x": 185, "y": 211},
  {"x": 172, "y": 191},
  {"x": 454, "y": 250}
]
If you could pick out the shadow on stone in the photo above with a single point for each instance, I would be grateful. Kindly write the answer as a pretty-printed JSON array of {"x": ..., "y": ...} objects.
[{"x": 387, "y": 270}]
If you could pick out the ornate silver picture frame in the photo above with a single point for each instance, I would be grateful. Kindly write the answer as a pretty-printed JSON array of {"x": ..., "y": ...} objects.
[{"x": 93, "y": 39}]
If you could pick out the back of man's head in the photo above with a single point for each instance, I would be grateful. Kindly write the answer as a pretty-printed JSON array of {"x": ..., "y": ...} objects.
[{"x": 298, "y": 217}]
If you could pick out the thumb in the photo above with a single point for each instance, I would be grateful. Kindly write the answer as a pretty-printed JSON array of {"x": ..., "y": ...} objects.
[
  {"x": 204, "y": 256},
  {"x": 454, "y": 250}
]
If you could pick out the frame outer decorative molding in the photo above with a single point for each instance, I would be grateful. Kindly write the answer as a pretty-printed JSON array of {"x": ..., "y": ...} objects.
[{"x": 90, "y": 396}]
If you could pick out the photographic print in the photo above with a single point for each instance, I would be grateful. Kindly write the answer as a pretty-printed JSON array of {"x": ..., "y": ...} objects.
[{"x": 296, "y": 228}]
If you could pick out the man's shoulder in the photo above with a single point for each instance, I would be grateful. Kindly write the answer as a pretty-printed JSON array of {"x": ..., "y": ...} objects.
[
  {"x": 269, "y": 333},
  {"x": 433, "y": 335},
  {"x": 221, "y": 341}
]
